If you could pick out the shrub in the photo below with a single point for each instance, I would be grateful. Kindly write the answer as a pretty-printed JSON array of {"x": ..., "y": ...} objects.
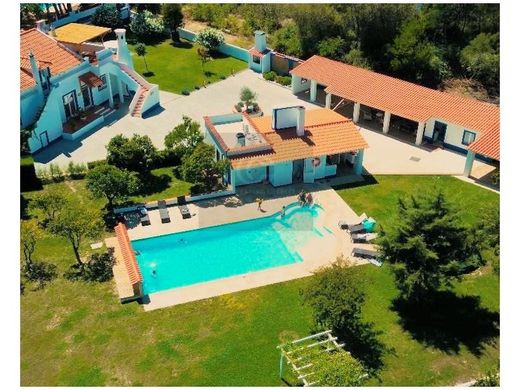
[
  {"x": 55, "y": 172},
  {"x": 99, "y": 267},
  {"x": 167, "y": 158},
  {"x": 76, "y": 171},
  {"x": 197, "y": 87},
  {"x": 41, "y": 272},
  {"x": 134, "y": 154},
  {"x": 185, "y": 92},
  {"x": 270, "y": 76},
  {"x": 146, "y": 26},
  {"x": 210, "y": 38},
  {"x": 42, "y": 173},
  {"x": 238, "y": 107},
  {"x": 283, "y": 80},
  {"x": 106, "y": 16},
  {"x": 93, "y": 164},
  {"x": 222, "y": 77}
]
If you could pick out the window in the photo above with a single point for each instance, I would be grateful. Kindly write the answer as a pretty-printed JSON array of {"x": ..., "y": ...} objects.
[
  {"x": 256, "y": 59},
  {"x": 468, "y": 137},
  {"x": 103, "y": 77}
]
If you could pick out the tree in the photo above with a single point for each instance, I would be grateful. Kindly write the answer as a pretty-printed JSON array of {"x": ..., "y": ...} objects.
[
  {"x": 25, "y": 135},
  {"x": 334, "y": 48},
  {"x": 428, "y": 247},
  {"x": 49, "y": 202},
  {"x": 415, "y": 58},
  {"x": 481, "y": 60},
  {"x": 210, "y": 38},
  {"x": 337, "y": 369},
  {"x": 173, "y": 18},
  {"x": 140, "y": 50},
  {"x": 112, "y": 183},
  {"x": 201, "y": 168},
  {"x": 356, "y": 57},
  {"x": 30, "y": 233},
  {"x": 247, "y": 96},
  {"x": 146, "y": 26},
  {"x": 29, "y": 14},
  {"x": 136, "y": 154},
  {"x": 184, "y": 138},
  {"x": 287, "y": 40},
  {"x": 204, "y": 56},
  {"x": 335, "y": 296},
  {"x": 76, "y": 223},
  {"x": 106, "y": 16}
]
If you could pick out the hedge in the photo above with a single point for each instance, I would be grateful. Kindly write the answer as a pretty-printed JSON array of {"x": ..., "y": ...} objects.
[{"x": 28, "y": 179}]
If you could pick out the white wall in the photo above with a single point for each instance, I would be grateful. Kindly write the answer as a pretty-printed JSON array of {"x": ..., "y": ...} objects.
[
  {"x": 454, "y": 133},
  {"x": 297, "y": 85},
  {"x": 30, "y": 103},
  {"x": 249, "y": 176},
  {"x": 285, "y": 117},
  {"x": 281, "y": 174}
]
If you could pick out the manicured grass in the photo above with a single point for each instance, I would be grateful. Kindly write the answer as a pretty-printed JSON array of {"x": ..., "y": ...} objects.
[
  {"x": 162, "y": 185},
  {"x": 76, "y": 333},
  {"x": 177, "y": 67}
]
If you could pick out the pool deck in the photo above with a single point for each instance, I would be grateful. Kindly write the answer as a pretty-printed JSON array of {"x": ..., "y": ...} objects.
[{"x": 317, "y": 252}]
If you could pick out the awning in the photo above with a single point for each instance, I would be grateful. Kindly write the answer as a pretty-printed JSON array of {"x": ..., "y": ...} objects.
[
  {"x": 77, "y": 33},
  {"x": 91, "y": 79}
]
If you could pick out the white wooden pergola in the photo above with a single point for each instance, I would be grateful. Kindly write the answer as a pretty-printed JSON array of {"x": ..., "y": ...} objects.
[{"x": 300, "y": 353}]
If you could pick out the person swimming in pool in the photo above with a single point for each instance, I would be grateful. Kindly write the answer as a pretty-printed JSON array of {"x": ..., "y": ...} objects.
[{"x": 154, "y": 273}]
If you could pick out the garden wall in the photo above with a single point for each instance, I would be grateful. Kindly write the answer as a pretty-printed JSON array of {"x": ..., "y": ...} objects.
[{"x": 226, "y": 48}]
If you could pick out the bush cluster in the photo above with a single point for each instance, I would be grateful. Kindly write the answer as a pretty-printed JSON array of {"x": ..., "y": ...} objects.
[{"x": 54, "y": 173}]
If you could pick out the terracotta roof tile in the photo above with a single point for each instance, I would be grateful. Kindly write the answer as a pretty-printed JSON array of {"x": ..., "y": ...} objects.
[
  {"x": 48, "y": 53},
  {"x": 134, "y": 273},
  {"x": 488, "y": 144},
  {"x": 257, "y": 53},
  {"x": 400, "y": 97},
  {"x": 326, "y": 132}
]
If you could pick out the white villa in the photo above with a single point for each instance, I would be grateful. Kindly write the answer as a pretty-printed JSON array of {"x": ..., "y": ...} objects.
[{"x": 69, "y": 84}]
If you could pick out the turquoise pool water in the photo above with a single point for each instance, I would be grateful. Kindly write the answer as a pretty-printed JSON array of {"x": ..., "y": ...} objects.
[{"x": 201, "y": 255}]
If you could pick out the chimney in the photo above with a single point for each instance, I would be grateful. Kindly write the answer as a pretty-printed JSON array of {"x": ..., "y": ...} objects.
[
  {"x": 41, "y": 25},
  {"x": 300, "y": 121},
  {"x": 123, "y": 54},
  {"x": 260, "y": 41},
  {"x": 35, "y": 72}
]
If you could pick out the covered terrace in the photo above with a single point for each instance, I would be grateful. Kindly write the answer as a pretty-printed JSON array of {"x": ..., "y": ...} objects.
[{"x": 387, "y": 104}]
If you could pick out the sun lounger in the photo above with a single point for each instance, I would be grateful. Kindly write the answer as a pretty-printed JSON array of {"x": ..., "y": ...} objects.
[
  {"x": 358, "y": 228},
  {"x": 185, "y": 211},
  {"x": 163, "y": 211},
  {"x": 362, "y": 237},
  {"x": 145, "y": 220},
  {"x": 355, "y": 221},
  {"x": 371, "y": 255}
]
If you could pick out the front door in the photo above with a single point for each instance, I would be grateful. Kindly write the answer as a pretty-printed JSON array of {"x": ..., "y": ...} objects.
[
  {"x": 86, "y": 92},
  {"x": 439, "y": 132},
  {"x": 70, "y": 104}
]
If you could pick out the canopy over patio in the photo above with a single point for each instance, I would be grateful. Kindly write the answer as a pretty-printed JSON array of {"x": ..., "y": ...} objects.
[{"x": 77, "y": 33}]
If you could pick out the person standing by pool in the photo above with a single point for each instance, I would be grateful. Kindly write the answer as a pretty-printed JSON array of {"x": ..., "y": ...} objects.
[
  {"x": 308, "y": 198},
  {"x": 259, "y": 201},
  {"x": 301, "y": 198},
  {"x": 282, "y": 213}
]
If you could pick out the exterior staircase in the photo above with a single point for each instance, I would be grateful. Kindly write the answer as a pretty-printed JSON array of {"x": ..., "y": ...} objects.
[{"x": 143, "y": 88}]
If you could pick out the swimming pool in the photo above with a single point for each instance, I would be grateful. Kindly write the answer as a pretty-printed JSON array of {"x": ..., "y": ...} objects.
[{"x": 196, "y": 256}]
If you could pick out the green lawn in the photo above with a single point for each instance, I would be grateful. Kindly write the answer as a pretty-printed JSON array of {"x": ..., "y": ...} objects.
[
  {"x": 76, "y": 333},
  {"x": 178, "y": 68}
]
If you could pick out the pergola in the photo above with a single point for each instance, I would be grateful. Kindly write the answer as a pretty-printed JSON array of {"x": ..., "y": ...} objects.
[{"x": 301, "y": 353}]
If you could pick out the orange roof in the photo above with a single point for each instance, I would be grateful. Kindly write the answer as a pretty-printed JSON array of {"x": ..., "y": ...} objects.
[
  {"x": 400, "y": 97},
  {"x": 488, "y": 144},
  {"x": 47, "y": 51},
  {"x": 132, "y": 268},
  {"x": 326, "y": 132},
  {"x": 255, "y": 52}
]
